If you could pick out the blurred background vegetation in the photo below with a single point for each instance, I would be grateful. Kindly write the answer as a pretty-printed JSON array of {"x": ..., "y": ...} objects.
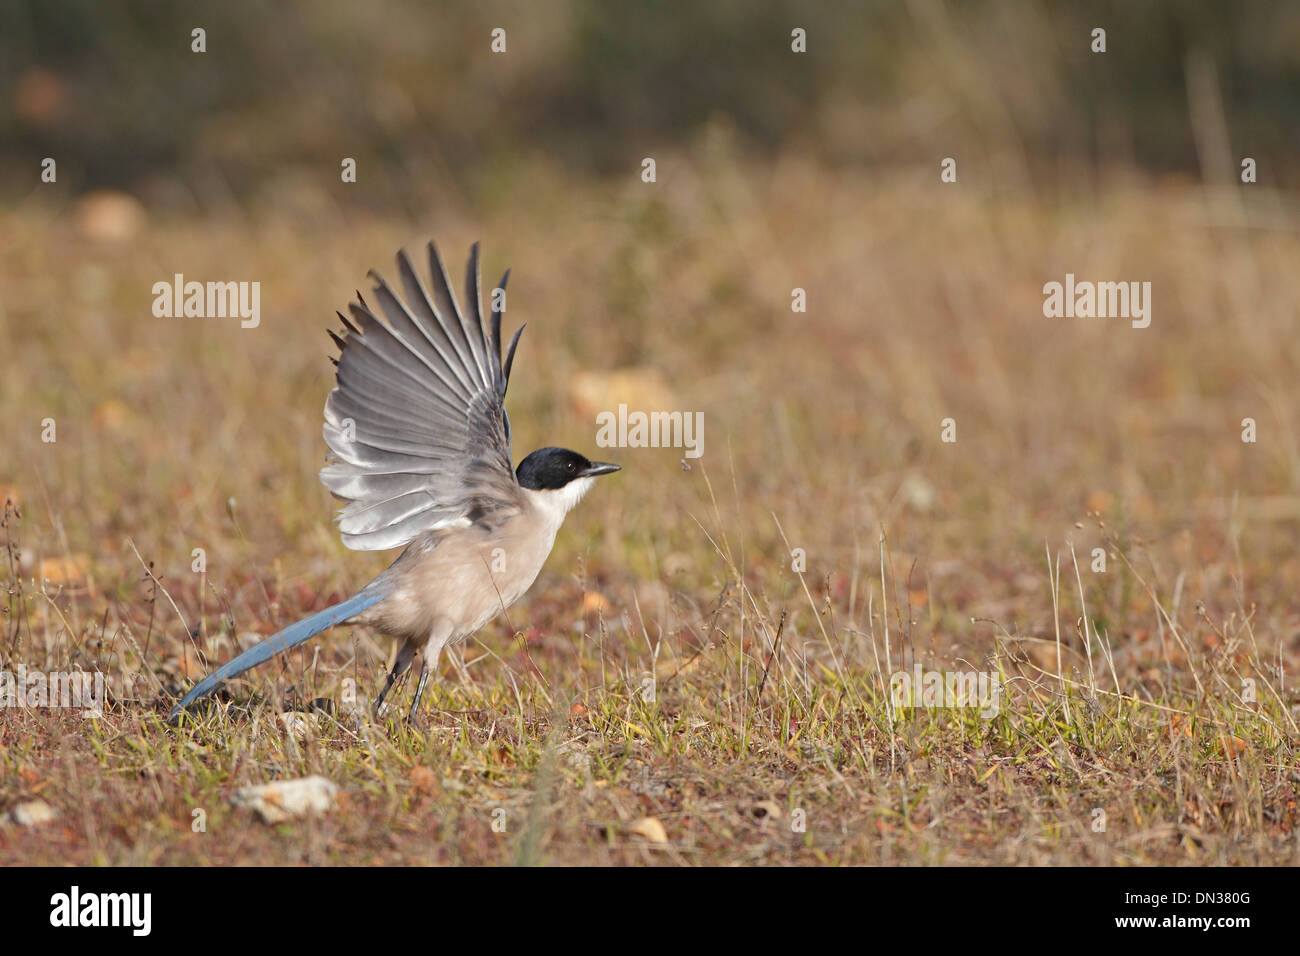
[
  {"x": 115, "y": 93},
  {"x": 777, "y": 172}
]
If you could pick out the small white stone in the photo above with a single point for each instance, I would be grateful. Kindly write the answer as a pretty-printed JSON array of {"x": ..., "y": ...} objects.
[
  {"x": 285, "y": 799},
  {"x": 32, "y": 814},
  {"x": 298, "y": 725}
]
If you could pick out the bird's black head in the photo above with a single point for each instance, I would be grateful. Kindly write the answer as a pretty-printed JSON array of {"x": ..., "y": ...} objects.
[{"x": 551, "y": 468}]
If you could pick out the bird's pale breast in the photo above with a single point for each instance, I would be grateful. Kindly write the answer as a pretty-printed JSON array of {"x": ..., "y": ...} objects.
[{"x": 453, "y": 585}]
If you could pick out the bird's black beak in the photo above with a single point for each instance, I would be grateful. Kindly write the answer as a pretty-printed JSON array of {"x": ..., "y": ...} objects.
[{"x": 600, "y": 468}]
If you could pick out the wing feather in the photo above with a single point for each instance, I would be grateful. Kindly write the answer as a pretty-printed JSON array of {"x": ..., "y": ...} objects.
[
  {"x": 416, "y": 426},
  {"x": 444, "y": 301}
]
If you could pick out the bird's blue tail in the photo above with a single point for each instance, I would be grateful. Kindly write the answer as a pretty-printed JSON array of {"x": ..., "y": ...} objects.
[{"x": 278, "y": 643}]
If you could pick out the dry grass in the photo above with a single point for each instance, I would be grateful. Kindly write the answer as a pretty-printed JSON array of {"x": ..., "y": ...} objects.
[{"x": 822, "y": 432}]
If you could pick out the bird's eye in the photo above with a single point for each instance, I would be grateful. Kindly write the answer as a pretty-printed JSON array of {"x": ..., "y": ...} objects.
[{"x": 571, "y": 466}]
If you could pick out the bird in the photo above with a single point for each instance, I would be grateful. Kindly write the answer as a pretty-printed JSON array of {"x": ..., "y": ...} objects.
[{"x": 419, "y": 447}]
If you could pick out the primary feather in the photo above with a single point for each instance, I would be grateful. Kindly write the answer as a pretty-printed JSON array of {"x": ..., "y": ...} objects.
[{"x": 416, "y": 426}]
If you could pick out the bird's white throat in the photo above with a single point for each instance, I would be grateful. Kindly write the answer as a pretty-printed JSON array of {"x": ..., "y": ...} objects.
[{"x": 555, "y": 503}]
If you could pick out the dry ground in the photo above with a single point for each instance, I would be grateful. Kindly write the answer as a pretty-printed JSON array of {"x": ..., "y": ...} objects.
[{"x": 1144, "y": 744}]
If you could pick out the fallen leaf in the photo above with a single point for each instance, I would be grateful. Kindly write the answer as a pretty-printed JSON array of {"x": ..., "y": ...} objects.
[
  {"x": 39, "y": 96},
  {"x": 1179, "y": 724},
  {"x": 111, "y": 414},
  {"x": 1232, "y": 746},
  {"x": 640, "y": 388},
  {"x": 109, "y": 215},
  {"x": 1098, "y": 502},
  {"x": 651, "y": 829},
  {"x": 66, "y": 570},
  {"x": 423, "y": 779}
]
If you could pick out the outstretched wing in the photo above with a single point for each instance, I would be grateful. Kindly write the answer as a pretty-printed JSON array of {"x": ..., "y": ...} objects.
[{"x": 416, "y": 427}]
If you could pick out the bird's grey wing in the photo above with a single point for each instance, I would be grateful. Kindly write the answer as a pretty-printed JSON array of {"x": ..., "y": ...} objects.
[{"x": 416, "y": 426}]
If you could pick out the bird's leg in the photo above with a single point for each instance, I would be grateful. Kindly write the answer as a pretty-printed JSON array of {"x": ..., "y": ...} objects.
[
  {"x": 404, "y": 655},
  {"x": 419, "y": 690},
  {"x": 432, "y": 651}
]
